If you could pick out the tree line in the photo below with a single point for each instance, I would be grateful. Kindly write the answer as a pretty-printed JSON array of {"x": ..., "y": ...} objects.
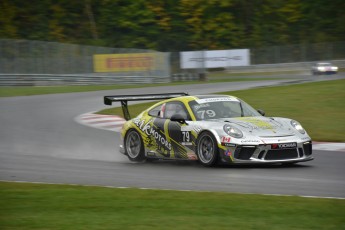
[{"x": 174, "y": 25}]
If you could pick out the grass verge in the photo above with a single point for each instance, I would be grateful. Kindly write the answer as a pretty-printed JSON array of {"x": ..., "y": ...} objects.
[
  {"x": 37, "y": 206},
  {"x": 39, "y": 90},
  {"x": 319, "y": 106}
]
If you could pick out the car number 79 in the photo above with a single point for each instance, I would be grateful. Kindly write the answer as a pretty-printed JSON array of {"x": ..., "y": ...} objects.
[
  {"x": 186, "y": 136},
  {"x": 209, "y": 113}
]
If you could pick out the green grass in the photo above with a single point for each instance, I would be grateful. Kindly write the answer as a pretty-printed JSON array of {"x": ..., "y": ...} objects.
[
  {"x": 37, "y": 206},
  {"x": 39, "y": 90},
  {"x": 319, "y": 106}
]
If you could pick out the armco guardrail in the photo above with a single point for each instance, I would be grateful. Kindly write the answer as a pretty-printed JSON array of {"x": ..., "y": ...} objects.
[
  {"x": 281, "y": 68},
  {"x": 74, "y": 79},
  {"x": 185, "y": 77},
  {"x": 302, "y": 67},
  {"x": 93, "y": 79}
]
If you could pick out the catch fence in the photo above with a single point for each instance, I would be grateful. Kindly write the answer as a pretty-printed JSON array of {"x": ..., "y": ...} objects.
[
  {"x": 24, "y": 62},
  {"x": 298, "y": 53},
  {"x": 41, "y": 63},
  {"x": 292, "y": 59}
]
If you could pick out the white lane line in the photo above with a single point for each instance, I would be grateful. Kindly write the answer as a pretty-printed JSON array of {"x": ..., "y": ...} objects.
[{"x": 178, "y": 190}]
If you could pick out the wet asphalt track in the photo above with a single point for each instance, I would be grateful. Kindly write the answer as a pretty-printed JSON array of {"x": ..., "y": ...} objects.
[{"x": 41, "y": 142}]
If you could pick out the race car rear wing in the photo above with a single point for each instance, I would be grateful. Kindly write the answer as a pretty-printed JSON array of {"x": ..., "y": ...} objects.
[{"x": 108, "y": 100}]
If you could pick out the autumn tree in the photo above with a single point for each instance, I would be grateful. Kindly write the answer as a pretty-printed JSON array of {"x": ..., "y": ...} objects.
[{"x": 175, "y": 25}]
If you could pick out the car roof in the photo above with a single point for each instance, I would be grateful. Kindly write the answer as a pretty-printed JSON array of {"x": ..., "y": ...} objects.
[
  {"x": 196, "y": 97},
  {"x": 210, "y": 96},
  {"x": 187, "y": 99}
]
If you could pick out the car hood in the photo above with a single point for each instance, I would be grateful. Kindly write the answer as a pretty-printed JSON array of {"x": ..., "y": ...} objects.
[{"x": 262, "y": 126}]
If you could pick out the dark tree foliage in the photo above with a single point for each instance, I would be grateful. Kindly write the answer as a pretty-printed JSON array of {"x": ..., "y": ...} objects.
[{"x": 174, "y": 25}]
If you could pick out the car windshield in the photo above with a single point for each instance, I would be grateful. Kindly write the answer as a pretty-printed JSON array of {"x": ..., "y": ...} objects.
[{"x": 221, "y": 107}]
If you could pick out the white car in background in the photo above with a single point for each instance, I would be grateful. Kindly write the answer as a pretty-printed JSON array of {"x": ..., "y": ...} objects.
[{"x": 324, "y": 68}]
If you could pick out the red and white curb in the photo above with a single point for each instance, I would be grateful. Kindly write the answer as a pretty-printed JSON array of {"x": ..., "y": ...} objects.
[
  {"x": 106, "y": 122},
  {"x": 114, "y": 123}
]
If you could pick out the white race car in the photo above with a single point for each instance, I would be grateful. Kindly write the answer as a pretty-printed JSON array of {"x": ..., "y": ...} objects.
[
  {"x": 324, "y": 68},
  {"x": 211, "y": 129}
]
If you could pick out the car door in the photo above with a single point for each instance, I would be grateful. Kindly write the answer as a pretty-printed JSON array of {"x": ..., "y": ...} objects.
[
  {"x": 181, "y": 141},
  {"x": 157, "y": 142}
]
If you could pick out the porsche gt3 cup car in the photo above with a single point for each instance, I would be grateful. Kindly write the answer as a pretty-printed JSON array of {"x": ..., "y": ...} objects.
[
  {"x": 324, "y": 68},
  {"x": 211, "y": 129}
]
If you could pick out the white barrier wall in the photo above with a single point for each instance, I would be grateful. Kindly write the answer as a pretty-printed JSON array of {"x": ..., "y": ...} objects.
[{"x": 214, "y": 59}]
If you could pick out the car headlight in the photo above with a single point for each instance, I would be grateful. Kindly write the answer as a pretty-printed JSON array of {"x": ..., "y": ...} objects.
[
  {"x": 297, "y": 126},
  {"x": 334, "y": 68},
  {"x": 233, "y": 131},
  {"x": 321, "y": 68}
]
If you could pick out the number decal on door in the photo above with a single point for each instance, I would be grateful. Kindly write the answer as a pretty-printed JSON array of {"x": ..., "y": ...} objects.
[{"x": 186, "y": 136}]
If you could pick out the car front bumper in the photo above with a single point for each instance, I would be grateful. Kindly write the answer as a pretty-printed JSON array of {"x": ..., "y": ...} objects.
[
  {"x": 263, "y": 153},
  {"x": 325, "y": 72}
]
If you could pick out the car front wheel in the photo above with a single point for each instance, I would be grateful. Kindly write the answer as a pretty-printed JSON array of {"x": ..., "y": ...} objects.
[
  {"x": 207, "y": 149},
  {"x": 134, "y": 146}
]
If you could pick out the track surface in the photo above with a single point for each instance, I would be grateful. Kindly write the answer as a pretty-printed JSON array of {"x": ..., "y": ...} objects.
[{"x": 41, "y": 142}]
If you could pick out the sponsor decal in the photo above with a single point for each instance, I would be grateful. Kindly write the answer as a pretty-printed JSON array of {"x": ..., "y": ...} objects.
[
  {"x": 291, "y": 145},
  {"x": 197, "y": 107},
  {"x": 125, "y": 62},
  {"x": 257, "y": 122},
  {"x": 226, "y": 139},
  {"x": 186, "y": 128},
  {"x": 151, "y": 131},
  {"x": 215, "y": 59},
  {"x": 280, "y": 140},
  {"x": 250, "y": 141},
  {"x": 191, "y": 156},
  {"x": 227, "y": 153},
  {"x": 129, "y": 62},
  {"x": 196, "y": 129},
  {"x": 186, "y": 143},
  {"x": 216, "y": 99},
  {"x": 151, "y": 154},
  {"x": 162, "y": 110}
]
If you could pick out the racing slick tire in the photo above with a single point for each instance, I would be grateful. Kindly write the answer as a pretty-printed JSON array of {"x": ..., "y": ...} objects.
[
  {"x": 207, "y": 149},
  {"x": 134, "y": 146}
]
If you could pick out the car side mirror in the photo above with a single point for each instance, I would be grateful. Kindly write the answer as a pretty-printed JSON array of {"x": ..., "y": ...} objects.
[
  {"x": 179, "y": 118},
  {"x": 261, "y": 112}
]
